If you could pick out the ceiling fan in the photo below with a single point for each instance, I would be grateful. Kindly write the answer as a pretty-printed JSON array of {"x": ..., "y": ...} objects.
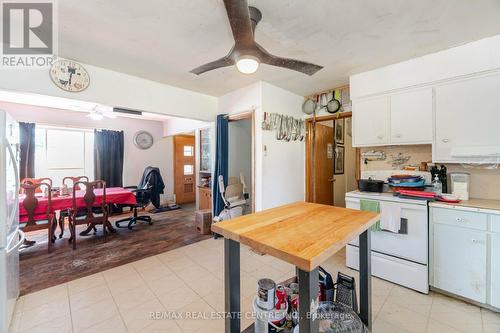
[
  {"x": 96, "y": 112},
  {"x": 246, "y": 53}
]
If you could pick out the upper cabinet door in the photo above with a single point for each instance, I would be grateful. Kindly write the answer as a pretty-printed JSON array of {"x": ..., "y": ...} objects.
[
  {"x": 370, "y": 121},
  {"x": 411, "y": 117},
  {"x": 467, "y": 118}
]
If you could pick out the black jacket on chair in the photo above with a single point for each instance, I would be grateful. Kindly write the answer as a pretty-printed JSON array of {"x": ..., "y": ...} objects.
[{"x": 152, "y": 178}]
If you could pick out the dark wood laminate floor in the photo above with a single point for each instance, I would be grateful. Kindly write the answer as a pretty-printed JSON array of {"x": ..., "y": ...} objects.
[{"x": 39, "y": 270}]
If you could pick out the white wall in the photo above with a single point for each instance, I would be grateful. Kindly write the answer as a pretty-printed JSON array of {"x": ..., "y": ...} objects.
[
  {"x": 135, "y": 159},
  {"x": 117, "y": 89},
  {"x": 479, "y": 56},
  {"x": 174, "y": 126},
  {"x": 283, "y": 167},
  {"x": 279, "y": 174}
]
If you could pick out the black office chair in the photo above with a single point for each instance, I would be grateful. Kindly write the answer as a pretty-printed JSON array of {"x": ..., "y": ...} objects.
[{"x": 143, "y": 197}]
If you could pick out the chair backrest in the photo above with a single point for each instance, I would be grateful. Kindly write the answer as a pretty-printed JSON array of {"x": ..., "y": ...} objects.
[
  {"x": 75, "y": 180},
  {"x": 35, "y": 181},
  {"x": 143, "y": 196},
  {"x": 89, "y": 197},
  {"x": 30, "y": 203}
]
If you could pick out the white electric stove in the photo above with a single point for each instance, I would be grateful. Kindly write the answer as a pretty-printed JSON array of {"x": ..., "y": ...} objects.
[{"x": 401, "y": 257}]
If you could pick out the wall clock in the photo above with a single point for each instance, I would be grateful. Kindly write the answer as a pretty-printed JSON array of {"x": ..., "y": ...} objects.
[
  {"x": 69, "y": 76},
  {"x": 143, "y": 140}
]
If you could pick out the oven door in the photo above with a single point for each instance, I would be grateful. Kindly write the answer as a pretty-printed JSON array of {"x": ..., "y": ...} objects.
[{"x": 412, "y": 245}]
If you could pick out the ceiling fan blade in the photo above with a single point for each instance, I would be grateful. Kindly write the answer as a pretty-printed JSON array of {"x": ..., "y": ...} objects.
[
  {"x": 222, "y": 62},
  {"x": 293, "y": 64},
  {"x": 296, "y": 65},
  {"x": 239, "y": 19}
]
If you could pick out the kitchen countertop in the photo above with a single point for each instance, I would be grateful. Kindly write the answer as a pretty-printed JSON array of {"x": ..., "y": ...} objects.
[
  {"x": 302, "y": 234},
  {"x": 384, "y": 196},
  {"x": 486, "y": 204}
]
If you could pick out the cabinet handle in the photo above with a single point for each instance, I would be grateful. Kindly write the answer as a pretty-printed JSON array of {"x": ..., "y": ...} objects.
[
  {"x": 476, "y": 241},
  {"x": 398, "y": 135},
  {"x": 380, "y": 137},
  {"x": 459, "y": 219},
  {"x": 445, "y": 140}
]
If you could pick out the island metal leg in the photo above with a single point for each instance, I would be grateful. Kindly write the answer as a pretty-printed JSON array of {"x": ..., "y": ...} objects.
[
  {"x": 365, "y": 281},
  {"x": 308, "y": 301},
  {"x": 232, "y": 285}
]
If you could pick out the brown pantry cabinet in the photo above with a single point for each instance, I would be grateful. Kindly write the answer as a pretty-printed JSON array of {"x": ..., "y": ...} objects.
[{"x": 205, "y": 197}]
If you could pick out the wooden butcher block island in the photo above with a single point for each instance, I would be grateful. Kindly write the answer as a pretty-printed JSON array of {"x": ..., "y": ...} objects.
[{"x": 305, "y": 235}]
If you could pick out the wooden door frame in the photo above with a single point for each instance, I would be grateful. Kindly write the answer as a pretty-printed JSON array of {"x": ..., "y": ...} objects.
[
  {"x": 243, "y": 116},
  {"x": 309, "y": 143},
  {"x": 195, "y": 176}
]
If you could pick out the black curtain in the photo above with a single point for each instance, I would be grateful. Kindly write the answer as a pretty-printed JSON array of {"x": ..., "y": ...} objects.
[
  {"x": 221, "y": 156},
  {"x": 27, "y": 150},
  {"x": 108, "y": 157}
]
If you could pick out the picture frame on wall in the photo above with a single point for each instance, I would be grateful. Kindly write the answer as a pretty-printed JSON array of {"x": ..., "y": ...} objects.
[
  {"x": 339, "y": 131},
  {"x": 338, "y": 168}
]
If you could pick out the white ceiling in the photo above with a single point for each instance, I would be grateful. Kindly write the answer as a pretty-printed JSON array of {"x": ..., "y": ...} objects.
[{"x": 163, "y": 40}]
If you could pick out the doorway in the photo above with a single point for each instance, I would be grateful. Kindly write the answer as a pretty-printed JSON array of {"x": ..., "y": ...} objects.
[
  {"x": 241, "y": 156},
  {"x": 184, "y": 168},
  {"x": 332, "y": 164}
]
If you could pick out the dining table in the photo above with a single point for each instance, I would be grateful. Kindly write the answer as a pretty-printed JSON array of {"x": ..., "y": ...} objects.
[{"x": 114, "y": 195}]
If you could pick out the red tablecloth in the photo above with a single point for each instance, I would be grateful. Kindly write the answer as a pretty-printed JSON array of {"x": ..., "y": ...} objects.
[{"x": 114, "y": 195}]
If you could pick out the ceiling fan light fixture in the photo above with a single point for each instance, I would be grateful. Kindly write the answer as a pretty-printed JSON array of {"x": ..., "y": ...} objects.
[
  {"x": 247, "y": 64},
  {"x": 96, "y": 115}
]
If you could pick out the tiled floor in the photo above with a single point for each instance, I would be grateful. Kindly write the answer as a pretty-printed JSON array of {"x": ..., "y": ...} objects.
[{"x": 189, "y": 279}]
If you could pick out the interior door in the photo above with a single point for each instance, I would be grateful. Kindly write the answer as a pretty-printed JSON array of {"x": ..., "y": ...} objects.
[
  {"x": 323, "y": 164},
  {"x": 184, "y": 169}
]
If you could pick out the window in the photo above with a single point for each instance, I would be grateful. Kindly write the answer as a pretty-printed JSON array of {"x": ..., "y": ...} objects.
[
  {"x": 188, "y": 151},
  {"x": 188, "y": 169},
  {"x": 63, "y": 152}
]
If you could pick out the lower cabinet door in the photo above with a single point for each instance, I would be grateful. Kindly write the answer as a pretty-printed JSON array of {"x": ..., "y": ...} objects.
[
  {"x": 495, "y": 270},
  {"x": 459, "y": 261}
]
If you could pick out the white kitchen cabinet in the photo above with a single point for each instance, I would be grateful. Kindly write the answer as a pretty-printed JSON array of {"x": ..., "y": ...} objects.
[
  {"x": 467, "y": 115},
  {"x": 459, "y": 261},
  {"x": 371, "y": 121},
  {"x": 411, "y": 117},
  {"x": 495, "y": 270}
]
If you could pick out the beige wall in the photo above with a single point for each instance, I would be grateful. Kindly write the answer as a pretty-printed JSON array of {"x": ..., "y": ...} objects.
[
  {"x": 485, "y": 182},
  {"x": 418, "y": 154}
]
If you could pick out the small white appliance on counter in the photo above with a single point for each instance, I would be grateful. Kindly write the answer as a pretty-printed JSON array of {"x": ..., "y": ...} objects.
[
  {"x": 400, "y": 257},
  {"x": 11, "y": 237},
  {"x": 460, "y": 184}
]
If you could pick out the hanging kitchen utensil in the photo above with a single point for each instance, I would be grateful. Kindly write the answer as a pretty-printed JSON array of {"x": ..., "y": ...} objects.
[
  {"x": 308, "y": 106},
  {"x": 324, "y": 100},
  {"x": 333, "y": 105},
  {"x": 318, "y": 104},
  {"x": 264, "y": 122},
  {"x": 278, "y": 127}
]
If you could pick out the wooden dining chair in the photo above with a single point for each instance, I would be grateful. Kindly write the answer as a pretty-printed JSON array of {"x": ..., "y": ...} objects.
[
  {"x": 38, "y": 220},
  {"x": 74, "y": 180},
  {"x": 95, "y": 213},
  {"x": 70, "y": 182},
  {"x": 35, "y": 181}
]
